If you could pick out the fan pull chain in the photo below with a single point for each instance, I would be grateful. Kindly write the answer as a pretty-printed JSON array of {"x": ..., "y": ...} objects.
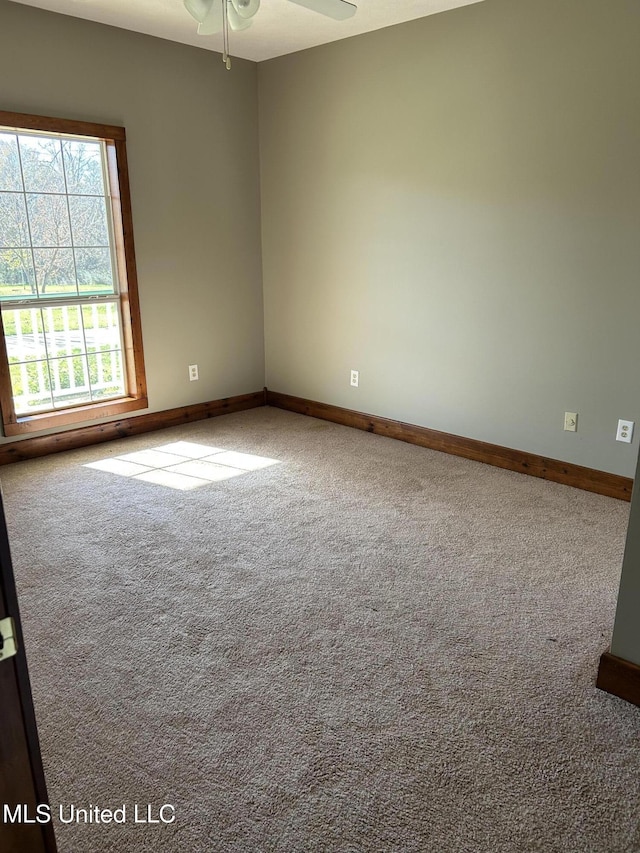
[{"x": 225, "y": 36}]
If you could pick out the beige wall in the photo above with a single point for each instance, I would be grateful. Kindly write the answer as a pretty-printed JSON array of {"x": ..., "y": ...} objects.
[
  {"x": 193, "y": 159},
  {"x": 452, "y": 206}
]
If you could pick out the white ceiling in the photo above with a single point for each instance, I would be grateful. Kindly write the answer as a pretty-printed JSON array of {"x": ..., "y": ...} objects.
[{"x": 279, "y": 27}]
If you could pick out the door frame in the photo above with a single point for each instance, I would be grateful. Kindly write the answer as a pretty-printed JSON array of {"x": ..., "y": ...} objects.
[{"x": 41, "y": 836}]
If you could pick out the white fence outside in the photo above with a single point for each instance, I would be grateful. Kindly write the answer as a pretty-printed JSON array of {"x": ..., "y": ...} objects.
[{"x": 50, "y": 367}]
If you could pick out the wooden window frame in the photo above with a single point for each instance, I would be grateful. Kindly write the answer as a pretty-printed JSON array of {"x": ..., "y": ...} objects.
[{"x": 115, "y": 139}]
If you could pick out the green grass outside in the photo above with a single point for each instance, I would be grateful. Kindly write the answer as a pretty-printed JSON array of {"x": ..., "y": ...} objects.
[{"x": 20, "y": 291}]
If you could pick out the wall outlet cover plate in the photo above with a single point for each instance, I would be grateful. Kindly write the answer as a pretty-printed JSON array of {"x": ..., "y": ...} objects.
[{"x": 625, "y": 431}]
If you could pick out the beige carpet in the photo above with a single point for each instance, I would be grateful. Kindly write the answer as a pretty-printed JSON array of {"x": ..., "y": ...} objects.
[{"x": 367, "y": 646}]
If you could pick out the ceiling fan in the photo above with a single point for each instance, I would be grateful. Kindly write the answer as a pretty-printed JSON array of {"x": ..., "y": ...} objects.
[{"x": 214, "y": 16}]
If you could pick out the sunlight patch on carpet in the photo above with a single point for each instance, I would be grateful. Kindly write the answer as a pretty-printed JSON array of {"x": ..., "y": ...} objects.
[{"x": 183, "y": 465}]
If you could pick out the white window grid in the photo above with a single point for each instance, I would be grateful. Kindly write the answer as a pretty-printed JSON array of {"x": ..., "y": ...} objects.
[
  {"x": 52, "y": 392},
  {"x": 48, "y": 368}
]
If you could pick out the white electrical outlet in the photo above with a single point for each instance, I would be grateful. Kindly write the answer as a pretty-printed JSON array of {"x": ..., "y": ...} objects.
[
  {"x": 571, "y": 421},
  {"x": 193, "y": 372},
  {"x": 625, "y": 431},
  {"x": 355, "y": 378}
]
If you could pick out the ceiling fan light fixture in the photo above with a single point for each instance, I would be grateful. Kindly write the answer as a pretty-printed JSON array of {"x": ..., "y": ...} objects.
[
  {"x": 212, "y": 23},
  {"x": 214, "y": 16},
  {"x": 339, "y": 10},
  {"x": 246, "y": 8},
  {"x": 199, "y": 9},
  {"x": 236, "y": 22}
]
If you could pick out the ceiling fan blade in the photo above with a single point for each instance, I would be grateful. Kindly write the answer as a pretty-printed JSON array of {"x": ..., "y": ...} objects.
[
  {"x": 212, "y": 23},
  {"x": 340, "y": 10},
  {"x": 246, "y": 8},
  {"x": 235, "y": 21},
  {"x": 198, "y": 9}
]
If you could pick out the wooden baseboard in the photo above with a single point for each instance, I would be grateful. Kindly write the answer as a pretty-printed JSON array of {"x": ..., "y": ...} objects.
[
  {"x": 577, "y": 476},
  {"x": 29, "y": 448},
  {"x": 589, "y": 479},
  {"x": 619, "y": 677}
]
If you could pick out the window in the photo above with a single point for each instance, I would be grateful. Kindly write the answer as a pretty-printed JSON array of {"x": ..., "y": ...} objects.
[{"x": 71, "y": 342}]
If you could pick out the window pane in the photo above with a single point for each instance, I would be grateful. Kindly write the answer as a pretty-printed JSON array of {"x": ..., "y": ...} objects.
[
  {"x": 17, "y": 277},
  {"x": 30, "y": 386},
  {"x": 14, "y": 230},
  {"x": 83, "y": 167},
  {"x": 24, "y": 335},
  {"x": 101, "y": 326},
  {"x": 49, "y": 220},
  {"x": 10, "y": 178},
  {"x": 93, "y": 267},
  {"x": 60, "y": 250},
  {"x": 88, "y": 221},
  {"x": 107, "y": 376},
  {"x": 69, "y": 377},
  {"x": 42, "y": 164},
  {"x": 55, "y": 272},
  {"x": 63, "y": 330},
  {"x": 70, "y": 381}
]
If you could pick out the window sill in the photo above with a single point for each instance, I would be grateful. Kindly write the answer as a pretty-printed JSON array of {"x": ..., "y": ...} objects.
[{"x": 49, "y": 420}]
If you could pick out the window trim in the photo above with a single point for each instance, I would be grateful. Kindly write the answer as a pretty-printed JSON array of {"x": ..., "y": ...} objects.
[{"x": 115, "y": 139}]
